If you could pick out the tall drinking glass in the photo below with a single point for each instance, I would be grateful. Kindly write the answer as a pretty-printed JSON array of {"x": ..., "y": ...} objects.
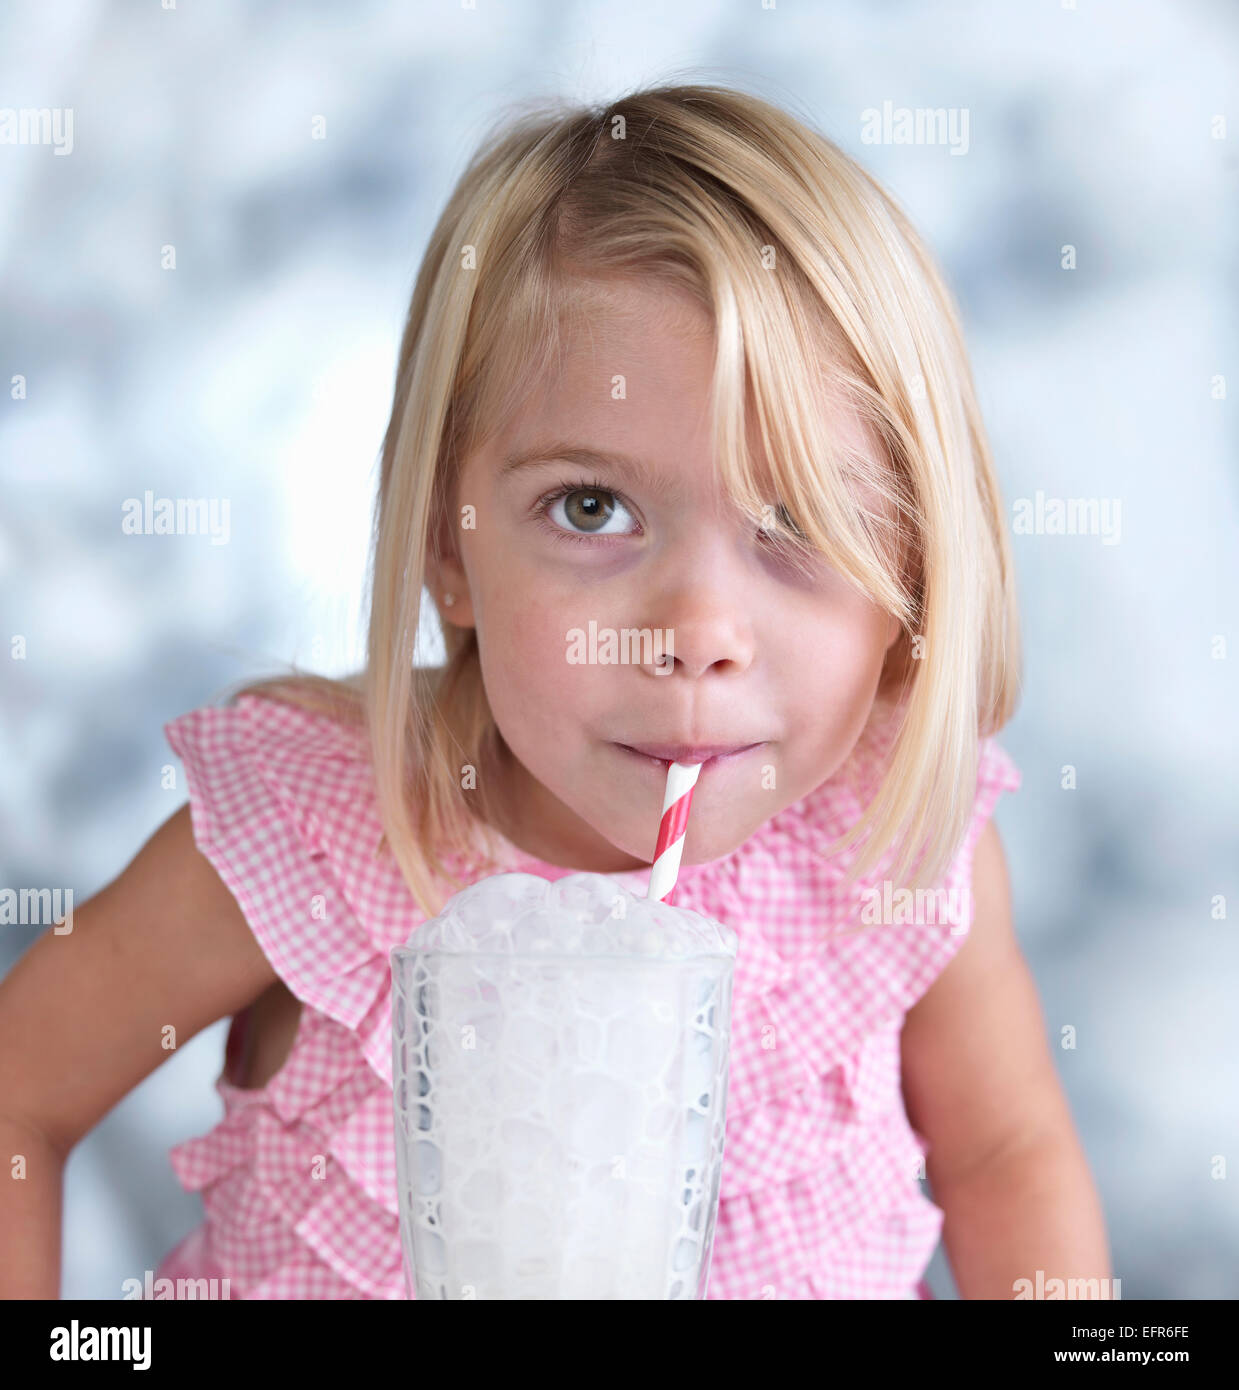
[{"x": 559, "y": 1062}]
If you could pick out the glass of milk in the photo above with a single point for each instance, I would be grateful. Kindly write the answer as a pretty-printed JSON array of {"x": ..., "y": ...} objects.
[{"x": 559, "y": 1064}]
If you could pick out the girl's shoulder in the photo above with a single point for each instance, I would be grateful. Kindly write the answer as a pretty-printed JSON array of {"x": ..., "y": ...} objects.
[
  {"x": 282, "y": 803},
  {"x": 257, "y": 754},
  {"x": 266, "y": 723}
]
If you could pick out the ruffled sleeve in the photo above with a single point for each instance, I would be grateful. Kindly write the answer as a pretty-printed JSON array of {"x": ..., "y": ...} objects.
[
  {"x": 265, "y": 778},
  {"x": 820, "y": 1161},
  {"x": 299, "y": 1177}
]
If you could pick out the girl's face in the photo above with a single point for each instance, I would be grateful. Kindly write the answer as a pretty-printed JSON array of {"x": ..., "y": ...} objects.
[{"x": 641, "y": 536}]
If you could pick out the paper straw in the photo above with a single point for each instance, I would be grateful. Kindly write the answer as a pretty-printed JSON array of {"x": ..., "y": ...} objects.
[{"x": 678, "y": 797}]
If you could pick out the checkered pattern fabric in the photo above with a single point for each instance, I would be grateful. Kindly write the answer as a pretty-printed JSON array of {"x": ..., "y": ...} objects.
[{"x": 820, "y": 1195}]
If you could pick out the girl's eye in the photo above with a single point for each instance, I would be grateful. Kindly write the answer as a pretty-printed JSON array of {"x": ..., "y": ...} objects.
[{"x": 584, "y": 509}]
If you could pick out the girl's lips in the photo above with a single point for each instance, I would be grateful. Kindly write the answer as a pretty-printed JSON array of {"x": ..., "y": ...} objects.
[{"x": 707, "y": 763}]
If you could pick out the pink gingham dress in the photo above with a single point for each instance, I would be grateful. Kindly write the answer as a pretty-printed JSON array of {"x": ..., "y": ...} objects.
[{"x": 820, "y": 1196}]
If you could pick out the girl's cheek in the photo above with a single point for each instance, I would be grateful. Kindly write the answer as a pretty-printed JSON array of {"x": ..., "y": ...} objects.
[{"x": 533, "y": 642}]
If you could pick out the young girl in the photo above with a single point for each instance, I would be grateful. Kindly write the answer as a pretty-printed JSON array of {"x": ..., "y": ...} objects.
[{"x": 677, "y": 366}]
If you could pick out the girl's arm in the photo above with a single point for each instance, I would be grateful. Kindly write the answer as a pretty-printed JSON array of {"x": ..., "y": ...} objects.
[
  {"x": 82, "y": 1020},
  {"x": 980, "y": 1086}
]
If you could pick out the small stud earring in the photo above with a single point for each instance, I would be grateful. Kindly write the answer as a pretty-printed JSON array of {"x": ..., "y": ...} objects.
[{"x": 449, "y": 599}]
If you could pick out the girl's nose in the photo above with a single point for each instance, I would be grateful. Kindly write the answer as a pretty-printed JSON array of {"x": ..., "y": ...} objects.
[{"x": 702, "y": 600}]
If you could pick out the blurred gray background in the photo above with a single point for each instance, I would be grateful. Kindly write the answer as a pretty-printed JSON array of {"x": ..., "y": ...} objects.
[{"x": 260, "y": 370}]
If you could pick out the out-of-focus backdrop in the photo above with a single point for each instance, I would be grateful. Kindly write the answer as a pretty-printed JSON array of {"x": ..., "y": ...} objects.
[{"x": 205, "y": 257}]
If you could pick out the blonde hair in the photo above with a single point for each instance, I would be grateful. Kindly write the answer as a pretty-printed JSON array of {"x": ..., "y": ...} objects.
[{"x": 815, "y": 283}]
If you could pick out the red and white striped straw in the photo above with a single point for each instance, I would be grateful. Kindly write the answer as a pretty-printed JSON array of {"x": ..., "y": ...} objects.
[{"x": 678, "y": 797}]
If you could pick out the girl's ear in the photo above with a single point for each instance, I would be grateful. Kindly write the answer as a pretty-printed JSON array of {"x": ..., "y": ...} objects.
[
  {"x": 446, "y": 578},
  {"x": 893, "y": 629}
]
